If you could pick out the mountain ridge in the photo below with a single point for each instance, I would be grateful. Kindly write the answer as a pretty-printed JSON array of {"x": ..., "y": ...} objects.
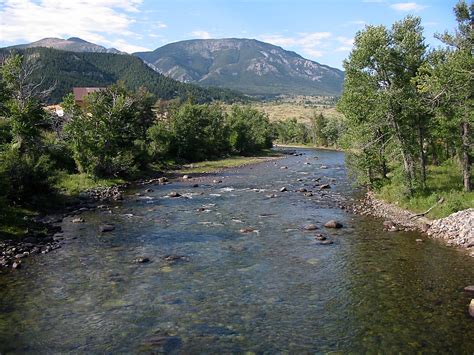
[
  {"x": 243, "y": 64},
  {"x": 72, "y": 44}
]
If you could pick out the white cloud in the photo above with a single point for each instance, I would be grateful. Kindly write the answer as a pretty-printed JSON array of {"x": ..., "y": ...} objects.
[
  {"x": 407, "y": 6},
  {"x": 92, "y": 20},
  {"x": 123, "y": 46},
  {"x": 310, "y": 44},
  {"x": 160, "y": 24},
  {"x": 201, "y": 34}
]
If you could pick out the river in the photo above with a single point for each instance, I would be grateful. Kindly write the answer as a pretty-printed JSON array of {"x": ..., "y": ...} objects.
[{"x": 274, "y": 289}]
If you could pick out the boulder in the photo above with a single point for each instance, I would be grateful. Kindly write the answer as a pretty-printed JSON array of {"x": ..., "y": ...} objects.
[{"x": 333, "y": 224}]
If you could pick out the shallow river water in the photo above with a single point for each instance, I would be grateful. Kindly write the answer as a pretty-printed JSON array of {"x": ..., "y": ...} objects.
[{"x": 276, "y": 289}]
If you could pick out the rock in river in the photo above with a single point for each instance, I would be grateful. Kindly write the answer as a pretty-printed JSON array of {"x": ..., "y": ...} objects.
[
  {"x": 142, "y": 260},
  {"x": 106, "y": 228},
  {"x": 78, "y": 220},
  {"x": 283, "y": 189},
  {"x": 310, "y": 227},
  {"x": 246, "y": 230},
  {"x": 174, "y": 194},
  {"x": 469, "y": 288},
  {"x": 471, "y": 308},
  {"x": 333, "y": 224}
]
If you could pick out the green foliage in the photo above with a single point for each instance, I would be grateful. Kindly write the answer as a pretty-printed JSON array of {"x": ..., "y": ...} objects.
[
  {"x": 250, "y": 130},
  {"x": 23, "y": 176},
  {"x": 64, "y": 70},
  {"x": 292, "y": 131},
  {"x": 105, "y": 138}
]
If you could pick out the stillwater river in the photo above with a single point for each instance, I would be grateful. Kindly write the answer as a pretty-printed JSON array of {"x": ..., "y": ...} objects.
[{"x": 273, "y": 290}]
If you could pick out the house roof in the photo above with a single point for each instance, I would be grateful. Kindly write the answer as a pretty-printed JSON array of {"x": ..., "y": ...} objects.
[{"x": 80, "y": 93}]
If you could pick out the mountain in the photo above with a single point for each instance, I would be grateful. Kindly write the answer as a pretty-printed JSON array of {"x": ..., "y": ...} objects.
[
  {"x": 65, "y": 70},
  {"x": 72, "y": 44},
  {"x": 247, "y": 65}
]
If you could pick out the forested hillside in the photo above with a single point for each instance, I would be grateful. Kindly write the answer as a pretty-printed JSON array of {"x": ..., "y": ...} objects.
[{"x": 63, "y": 70}]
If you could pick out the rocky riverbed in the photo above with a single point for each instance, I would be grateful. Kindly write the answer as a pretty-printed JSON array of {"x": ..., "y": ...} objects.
[{"x": 455, "y": 230}]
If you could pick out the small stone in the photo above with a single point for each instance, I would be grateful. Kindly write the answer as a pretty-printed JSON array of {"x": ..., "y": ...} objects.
[
  {"x": 78, "y": 220},
  {"x": 324, "y": 186},
  {"x": 419, "y": 240},
  {"x": 174, "y": 194},
  {"x": 186, "y": 177},
  {"x": 149, "y": 190},
  {"x": 246, "y": 230},
  {"x": 333, "y": 224},
  {"x": 320, "y": 237},
  {"x": 310, "y": 227},
  {"x": 326, "y": 242},
  {"x": 469, "y": 288},
  {"x": 323, "y": 167},
  {"x": 106, "y": 228},
  {"x": 16, "y": 264},
  {"x": 302, "y": 190},
  {"x": 471, "y": 308},
  {"x": 196, "y": 185},
  {"x": 217, "y": 181},
  {"x": 162, "y": 180},
  {"x": 142, "y": 260},
  {"x": 283, "y": 167},
  {"x": 283, "y": 189},
  {"x": 308, "y": 194}
]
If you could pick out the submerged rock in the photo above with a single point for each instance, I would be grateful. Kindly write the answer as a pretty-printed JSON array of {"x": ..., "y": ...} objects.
[
  {"x": 333, "y": 224},
  {"x": 142, "y": 260},
  {"x": 310, "y": 227},
  {"x": 246, "y": 230},
  {"x": 106, "y": 228}
]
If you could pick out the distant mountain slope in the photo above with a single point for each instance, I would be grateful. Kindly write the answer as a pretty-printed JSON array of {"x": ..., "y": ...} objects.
[
  {"x": 247, "y": 65},
  {"x": 72, "y": 44},
  {"x": 65, "y": 70}
]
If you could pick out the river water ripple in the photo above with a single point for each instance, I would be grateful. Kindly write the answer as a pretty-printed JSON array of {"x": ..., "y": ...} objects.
[{"x": 275, "y": 289}]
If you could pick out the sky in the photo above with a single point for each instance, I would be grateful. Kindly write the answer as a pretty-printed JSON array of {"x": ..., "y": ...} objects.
[{"x": 320, "y": 30}]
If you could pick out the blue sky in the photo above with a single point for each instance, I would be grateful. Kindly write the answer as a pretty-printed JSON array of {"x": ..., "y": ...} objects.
[{"x": 322, "y": 30}]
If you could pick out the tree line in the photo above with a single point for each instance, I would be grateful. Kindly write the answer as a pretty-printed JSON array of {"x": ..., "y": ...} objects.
[
  {"x": 117, "y": 133},
  {"x": 321, "y": 131},
  {"x": 406, "y": 106}
]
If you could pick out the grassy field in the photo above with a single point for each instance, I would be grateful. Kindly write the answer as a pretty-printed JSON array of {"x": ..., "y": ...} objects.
[
  {"x": 442, "y": 181},
  {"x": 302, "y": 112}
]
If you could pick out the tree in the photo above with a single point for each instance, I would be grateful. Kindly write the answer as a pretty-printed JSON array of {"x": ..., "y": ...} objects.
[
  {"x": 380, "y": 94},
  {"x": 447, "y": 80},
  {"x": 107, "y": 138}
]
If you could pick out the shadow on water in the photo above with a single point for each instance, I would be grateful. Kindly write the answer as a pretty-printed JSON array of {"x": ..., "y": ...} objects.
[{"x": 275, "y": 288}]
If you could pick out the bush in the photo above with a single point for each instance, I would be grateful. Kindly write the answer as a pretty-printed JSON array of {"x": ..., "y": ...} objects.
[{"x": 23, "y": 176}]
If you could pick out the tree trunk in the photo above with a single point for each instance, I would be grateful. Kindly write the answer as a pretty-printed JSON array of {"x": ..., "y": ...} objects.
[
  {"x": 422, "y": 156},
  {"x": 465, "y": 161}
]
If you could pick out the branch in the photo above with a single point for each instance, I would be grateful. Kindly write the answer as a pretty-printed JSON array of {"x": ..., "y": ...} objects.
[{"x": 441, "y": 200}]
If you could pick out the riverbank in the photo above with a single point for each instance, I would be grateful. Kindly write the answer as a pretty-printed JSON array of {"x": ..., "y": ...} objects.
[
  {"x": 27, "y": 231},
  {"x": 456, "y": 229},
  {"x": 312, "y": 146}
]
